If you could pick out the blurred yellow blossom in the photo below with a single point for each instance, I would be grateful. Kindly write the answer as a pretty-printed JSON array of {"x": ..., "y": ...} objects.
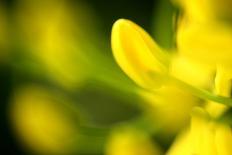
[
  {"x": 149, "y": 66},
  {"x": 41, "y": 122},
  {"x": 205, "y": 137},
  {"x": 55, "y": 36},
  {"x": 129, "y": 141},
  {"x": 206, "y": 42},
  {"x": 169, "y": 107},
  {"x": 175, "y": 83},
  {"x": 182, "y": 92}
]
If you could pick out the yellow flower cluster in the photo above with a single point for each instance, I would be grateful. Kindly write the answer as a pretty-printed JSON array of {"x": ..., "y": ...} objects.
[{"x": 196, "y": 78}]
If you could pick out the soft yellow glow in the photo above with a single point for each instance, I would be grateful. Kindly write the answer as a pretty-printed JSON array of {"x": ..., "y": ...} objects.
[
  {"x": 197, "y": 10},
  {"x": 169, "y": 107},
  {"x": 137, "y": 54},
  {"x": 191, "y": 72},
  {"x": 223, "y": 139},
  {"x": 182, "y": 145},
  {"x": 207, "y": 44},
  {"x": 131, "y": 142},
  {"x": 41, "y": 122},
  {"x": 215, "y": 109},
  {"x": 52, "y": 35}
]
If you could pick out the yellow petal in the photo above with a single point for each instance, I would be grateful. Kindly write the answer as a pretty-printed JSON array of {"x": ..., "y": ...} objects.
[
  {"x": 137, "y": 54},
  {"x": 182, "y": 145},
  {"x": 199, "y": 75},
  {"x": 208, "y": 44},
  {"x": 206, "y": 10},
  {"x": 197, "y": 10},
  {"x": 203, "y": 133},
  {"x": 128, "y": 141},
  {"x": 41, "y": 123},
  {"x": 215, "y": 109},
  {"x": 223, "y": 81},
  {"x": 169, "y": 106},
  {"x": 198, "y": 124},
  {"x": 224, "y": 140}
]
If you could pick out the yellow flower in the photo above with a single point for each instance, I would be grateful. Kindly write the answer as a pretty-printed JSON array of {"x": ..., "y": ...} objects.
[
  {"x": 203, "y": 60},
  {"x": 206, "y": 44},
  {"x": 205, "y": 137},
  {"x": 205, "y": 40},
  {"x": 150, "y": 67}
]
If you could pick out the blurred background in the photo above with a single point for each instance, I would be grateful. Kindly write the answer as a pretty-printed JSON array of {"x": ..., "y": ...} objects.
[{"x": 61, "y": 91}]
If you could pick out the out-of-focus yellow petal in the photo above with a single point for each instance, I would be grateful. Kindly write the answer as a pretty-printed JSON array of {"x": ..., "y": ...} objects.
[
  {"x": 204, "y": 40},
  {"x": 223, "y": 140},
  {"x": 222, "y": 87},
  {"x": 137, "y": 54},
  {"x": 52, "y": 35},
  {"x": 205, "y": 44},
  {"x": 206, "y": 137},
  {"x": 198, "y": 124},
  {"x": 215, "y": 109},
  {"x": 169, "y": 106},
  {"x": 131, "y": 142},
  {"x": 191, "y": 72},
  {"x": 182, "y": 145},
  {"x": 197, "y": 10},
  {"x": 206, "y": 10},
  {"x": 223, "y": 81},
  {"x": 41, "y": 122}
]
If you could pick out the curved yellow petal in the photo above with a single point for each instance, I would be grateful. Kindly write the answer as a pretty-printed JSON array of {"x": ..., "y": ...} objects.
[{"x": 137, "y": 54}]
